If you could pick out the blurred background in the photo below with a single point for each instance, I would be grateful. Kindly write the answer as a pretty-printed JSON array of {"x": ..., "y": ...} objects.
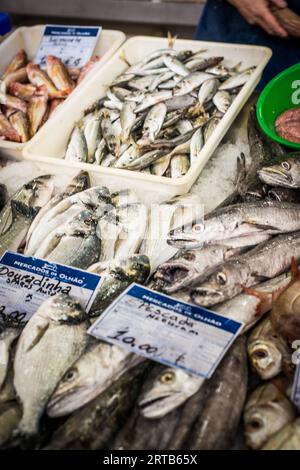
[{"x": 154, "y": 17}]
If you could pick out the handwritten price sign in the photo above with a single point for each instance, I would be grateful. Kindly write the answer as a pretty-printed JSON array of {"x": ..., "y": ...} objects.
[
  {"x": 166, "y": 330},
  {"x": 26, "y": 282}
]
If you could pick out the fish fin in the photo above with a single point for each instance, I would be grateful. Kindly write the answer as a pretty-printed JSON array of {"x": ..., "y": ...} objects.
[
  {"x": 265, "y": 298},
  {"x": 260, "y": 226},
  {"x": 171, "y": 40},
  {"x": 277, "y": 292},
  {"x": 36, "y": 333},
  {"x": 295, "y": 269}
]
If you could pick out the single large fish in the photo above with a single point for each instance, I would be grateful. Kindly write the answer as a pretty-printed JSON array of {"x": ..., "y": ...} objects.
[
  {"x": 238, "y": 222},
  {"x": 53, "y": 339},
  {"x": 94, "y": 372}
]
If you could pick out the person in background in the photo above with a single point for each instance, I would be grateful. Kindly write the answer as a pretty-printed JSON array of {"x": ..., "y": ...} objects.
[{"x": 251, "y": 22}]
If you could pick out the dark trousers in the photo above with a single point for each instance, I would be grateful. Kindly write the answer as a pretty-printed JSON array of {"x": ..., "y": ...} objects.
[{"x": 221, "y": 22}]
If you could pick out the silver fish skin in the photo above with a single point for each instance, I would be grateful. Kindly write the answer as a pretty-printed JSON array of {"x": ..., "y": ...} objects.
[
  {"x": 145, "y": 160},
  {"x": 180, "y": 165},
  {"x": 77, "y": 149},
  {"x": 74, "y": 244},
  {"x": 92, "y": 133},
  {"x": 131, "y": 154},
  {"x": 267, "y": 411},
  {"x": 237, "y": 80},
  {"x": 20, "y": 210},
  {"x": 187, "y": 267},
  {"x": 285, "y": 174},
  {"x": 50, "y": 343},
  {"x": 108, "y": 231},
  {"x": 287, "y": 438},
  {"x": 96, "y": 199},
  {"x": 127, "y": 119},
  {"x": 268, "y": 353},
  {"x": 176, "y": 66},
  {"x": 211, "y": 127},
  {"x": 78, "y": 183},
  {"x": 238, "y": 221},
  {"x": 93, "y": 373},
  {"x": 208, "y": 90},
  {"x": 198, "y": 63},
  {"x": 248, "y": 269},
  {"x": 153, "y": 123},
  {"x": 197, "y": 144},
  {"x": 112, "y": 134},
  {"x": 118, "y": 274},
  {"x": 189, "y": 83},
  {"x": 152, "y": 99},
  {"x": 222, "y": 100}
]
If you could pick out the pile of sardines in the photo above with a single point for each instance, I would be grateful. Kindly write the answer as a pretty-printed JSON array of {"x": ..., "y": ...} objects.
[
  {"x": 62, "y": 389},
  {"x": 157, "y": 115},
  {"x": 29, "y": 95}
]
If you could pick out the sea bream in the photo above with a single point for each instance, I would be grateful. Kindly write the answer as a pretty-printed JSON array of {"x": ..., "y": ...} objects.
[
  {"x": 93, "y": 426},
  {"x": 93, "y": 373},
  {"x": 53, "y": 339}
]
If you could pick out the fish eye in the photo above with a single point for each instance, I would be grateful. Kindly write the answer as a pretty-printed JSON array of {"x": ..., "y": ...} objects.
[
  {"x": 260, "y": 354},
  {"x": 221, "y": 278},
  {"x": 167, "y": 378},
  {"x": 70, "y": 375},
  {"x": 87, "y": 222},
  {"x": 197, "y": 228},
  {"x": 255, "y": 424},
  {"x": 286, "y": 165}
]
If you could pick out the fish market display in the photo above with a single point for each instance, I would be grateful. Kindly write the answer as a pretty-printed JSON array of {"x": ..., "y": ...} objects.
[
  {"x": 208, "y": 420},
  {"x": 29, "y": 95},
  {"x": 287, "y": 125},
  {"x": 158, "y": 114},
  {"x": 266, "y": 412},
  {"x": 50, "y": 343},
  {"x": 233, "y": 247}
]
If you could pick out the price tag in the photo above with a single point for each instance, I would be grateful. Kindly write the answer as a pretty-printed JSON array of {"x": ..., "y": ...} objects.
[
  {"x": 167, "y": 330},
  {"x": 74, "y": 45},
  {"x": 25, "y": 283},
  {"x": 296, "y": 387}
]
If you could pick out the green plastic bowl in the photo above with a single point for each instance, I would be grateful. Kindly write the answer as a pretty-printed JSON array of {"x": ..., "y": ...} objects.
[{"x": 278, "y": 96}]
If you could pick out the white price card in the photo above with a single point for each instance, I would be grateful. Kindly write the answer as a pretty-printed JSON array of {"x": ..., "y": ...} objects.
[
  {"x": 74, "y": 45},
  {"x": 296, "y": 387},
  {"x": 26, "y": 282},
  {"x": 167, "y": 330}
]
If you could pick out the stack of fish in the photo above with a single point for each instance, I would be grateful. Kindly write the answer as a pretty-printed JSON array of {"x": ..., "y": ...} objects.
[
  {"x": 236, "y": 260},
  {"x": 157, "y": 116},
  {"x": 222, "y": 262},
  {"x": 29, "y": 95}
]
